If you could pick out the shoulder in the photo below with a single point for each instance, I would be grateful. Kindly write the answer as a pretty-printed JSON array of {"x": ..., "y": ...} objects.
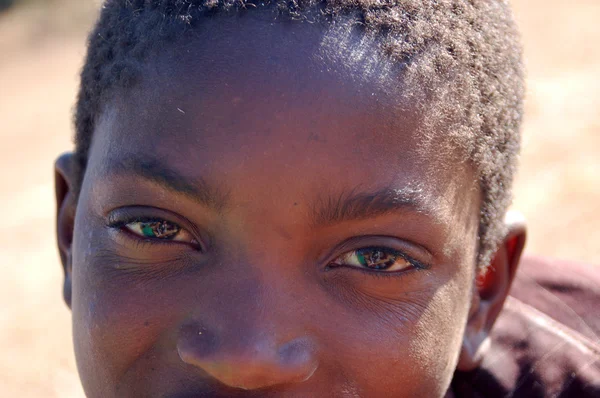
[{"x": 546, "y": 342}]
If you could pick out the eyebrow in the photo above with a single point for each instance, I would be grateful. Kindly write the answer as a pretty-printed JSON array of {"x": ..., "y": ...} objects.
[
  {"x": 347, "y": 206},
  {"x": 355, "y": 205},
  {"x": 155, "y": 170}
]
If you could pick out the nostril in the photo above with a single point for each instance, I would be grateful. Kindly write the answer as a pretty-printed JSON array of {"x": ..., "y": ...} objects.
[
  {"x": 247, "y": 363},
  {"x": 299, "y": 356}
]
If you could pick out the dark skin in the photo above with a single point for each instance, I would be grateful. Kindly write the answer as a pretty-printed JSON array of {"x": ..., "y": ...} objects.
[{"x": 272, "y": 229}]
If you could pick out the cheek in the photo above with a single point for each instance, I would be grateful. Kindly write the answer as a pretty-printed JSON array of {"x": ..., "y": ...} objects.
[
  {"x": 115, "y": 324},
  {"x": 116, "y": 318},
  {"x": 402, "y": 346},
  {"x": 439, "y": 332}
]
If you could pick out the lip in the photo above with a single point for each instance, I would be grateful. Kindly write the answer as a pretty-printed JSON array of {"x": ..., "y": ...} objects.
[{"x": 212, "y": 394}]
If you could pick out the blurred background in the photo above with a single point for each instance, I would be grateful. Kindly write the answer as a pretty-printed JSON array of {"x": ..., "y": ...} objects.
[{"x": 42, "y": 44}]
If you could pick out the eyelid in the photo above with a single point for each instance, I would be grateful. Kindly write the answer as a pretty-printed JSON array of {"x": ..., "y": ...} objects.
[
  {"x": 416, "y": 254},
  {"x": 413, "y": 263},
  {"x": 120, "y": 217}
]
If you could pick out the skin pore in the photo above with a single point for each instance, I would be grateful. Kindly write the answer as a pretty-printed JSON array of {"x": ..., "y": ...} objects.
[{"x": 270, "y": 228}]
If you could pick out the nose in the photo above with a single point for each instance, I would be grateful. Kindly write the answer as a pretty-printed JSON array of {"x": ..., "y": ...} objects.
[{"x": 248, "y": 362}]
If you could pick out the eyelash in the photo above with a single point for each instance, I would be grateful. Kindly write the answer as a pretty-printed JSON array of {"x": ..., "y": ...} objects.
[
  {"x": 414, "y": 264},
  {"x": 385, "y": 275},
  {"x": 120, "y": 221}
]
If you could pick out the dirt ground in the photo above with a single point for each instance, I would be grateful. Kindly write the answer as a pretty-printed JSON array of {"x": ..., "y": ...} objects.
[{"x": 41, "y": 50}]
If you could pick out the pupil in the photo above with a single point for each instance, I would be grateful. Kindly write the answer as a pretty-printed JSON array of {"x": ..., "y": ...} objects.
[
  {"x": 376, "y": 259},
  {"x": 377, "y": 256},
  {"x": 160, "y": 229}
]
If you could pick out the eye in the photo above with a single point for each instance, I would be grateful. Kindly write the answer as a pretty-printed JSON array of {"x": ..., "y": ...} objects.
[
  {"x": 157, "y": 229},
  {"x": 374, "y": 258}
]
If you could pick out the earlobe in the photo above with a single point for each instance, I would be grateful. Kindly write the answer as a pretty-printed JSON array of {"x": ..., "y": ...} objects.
[
  {"x": 65, "y": 215},
  {"x": 490, "y": 290}
]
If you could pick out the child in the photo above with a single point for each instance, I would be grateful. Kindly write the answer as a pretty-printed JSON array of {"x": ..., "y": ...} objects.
[{"x": 299, "y": 198}]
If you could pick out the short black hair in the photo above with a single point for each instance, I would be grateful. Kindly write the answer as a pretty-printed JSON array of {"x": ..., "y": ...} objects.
[{"x": 464, "y": 54}]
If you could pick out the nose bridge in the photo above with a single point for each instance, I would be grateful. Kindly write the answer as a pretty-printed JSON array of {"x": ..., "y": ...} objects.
[
  {"x": 254, "y": 321},
  {"x": 252, "y": 339},
  {"x": 267, "y": 293},
  {"x": 259, "y": 302}
]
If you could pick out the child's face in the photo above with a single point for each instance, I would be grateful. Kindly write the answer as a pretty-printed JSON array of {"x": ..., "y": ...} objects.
[{"x": 272, "y": 168}]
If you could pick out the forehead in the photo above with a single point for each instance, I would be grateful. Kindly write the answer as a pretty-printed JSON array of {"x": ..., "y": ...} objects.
[{"x": 294, "y": 109}]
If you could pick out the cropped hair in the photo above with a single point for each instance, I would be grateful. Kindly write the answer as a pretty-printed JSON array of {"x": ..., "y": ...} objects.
[{"x": 460, "y": 62}]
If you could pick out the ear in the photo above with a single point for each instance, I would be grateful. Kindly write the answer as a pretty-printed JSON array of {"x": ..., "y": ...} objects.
[
  {"x": 66, "y": 203},
  {"x": 491, "y": 288}
]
